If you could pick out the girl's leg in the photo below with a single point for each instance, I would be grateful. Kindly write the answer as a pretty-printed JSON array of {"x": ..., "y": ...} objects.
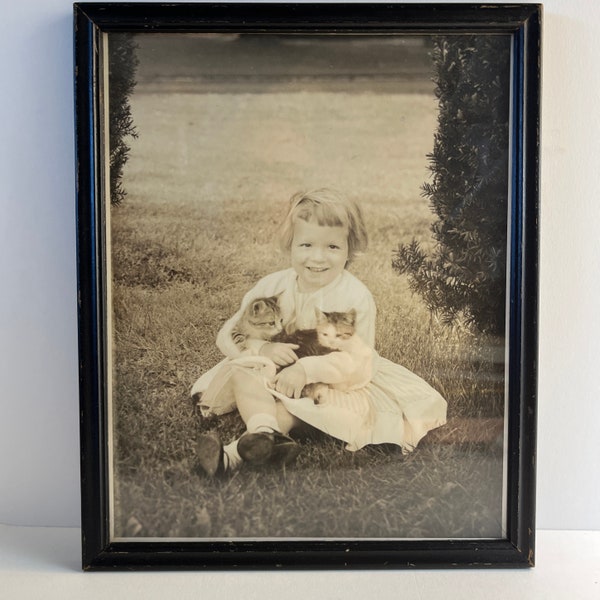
[
  {"x": 287, "y": 421},
  {"x": 267, "y": 423},
  {"x": 258, "y": 407},
  {"x": 255, "y": 404}
]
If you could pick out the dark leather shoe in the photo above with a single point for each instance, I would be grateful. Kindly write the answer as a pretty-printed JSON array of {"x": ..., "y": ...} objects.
[
  {"x": 262, "y": 447},
  {"x": 210, "y": 455}
]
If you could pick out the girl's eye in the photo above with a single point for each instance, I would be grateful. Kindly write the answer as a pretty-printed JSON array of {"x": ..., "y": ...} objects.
[{"x": 333, "y": 247}]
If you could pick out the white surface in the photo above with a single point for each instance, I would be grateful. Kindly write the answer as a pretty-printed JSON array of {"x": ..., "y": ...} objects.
[
  {"x": 44, "y": 562},
  {"x": 39, "y": 455}
]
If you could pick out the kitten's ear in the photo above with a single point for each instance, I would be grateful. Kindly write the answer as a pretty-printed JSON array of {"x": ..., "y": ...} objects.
[
  {"x": 274, "y": 299},
  {"x": 257, "y": 307},
  {"x": 321, "y": 316}
]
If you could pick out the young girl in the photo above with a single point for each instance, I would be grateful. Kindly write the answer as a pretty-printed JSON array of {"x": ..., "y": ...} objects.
[{"x": 322, "y": 233}]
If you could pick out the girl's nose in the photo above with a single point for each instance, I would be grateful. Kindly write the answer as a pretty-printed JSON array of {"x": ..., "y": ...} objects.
[{"x": 317, "y": 253}]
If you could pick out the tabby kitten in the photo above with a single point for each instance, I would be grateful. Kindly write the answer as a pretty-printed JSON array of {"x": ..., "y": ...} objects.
[{"x": 261, "y": 321}]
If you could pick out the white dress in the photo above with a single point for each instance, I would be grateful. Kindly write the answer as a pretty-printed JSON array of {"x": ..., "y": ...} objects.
[{"x": 396, "y": 406}]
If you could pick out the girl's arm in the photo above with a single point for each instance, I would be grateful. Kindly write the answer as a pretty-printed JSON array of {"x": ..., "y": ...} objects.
[
  {"x": 335, "y": 367},
  {"x": 312, "y": 369},
  {"x": 230, "y": 349},
  {"x": 225, "y": 341},
  {"x": 365, "y": 320}
]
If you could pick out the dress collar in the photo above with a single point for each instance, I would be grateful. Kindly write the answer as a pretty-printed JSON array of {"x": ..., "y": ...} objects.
[{"x": 324, "y": 289}]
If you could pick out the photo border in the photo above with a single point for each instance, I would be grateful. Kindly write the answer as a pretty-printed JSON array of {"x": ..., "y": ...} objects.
[{"x": 523, "y": 22}]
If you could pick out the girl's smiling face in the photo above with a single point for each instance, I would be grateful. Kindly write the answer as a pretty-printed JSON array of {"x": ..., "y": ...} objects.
[{"x": 319, "y": 254}]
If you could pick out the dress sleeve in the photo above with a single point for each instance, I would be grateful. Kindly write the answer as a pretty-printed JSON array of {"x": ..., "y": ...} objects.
[
  {"x": 335, "y": 367},
  {"x": 225, "y": 341},
  {"x": 365, "y": 320}
]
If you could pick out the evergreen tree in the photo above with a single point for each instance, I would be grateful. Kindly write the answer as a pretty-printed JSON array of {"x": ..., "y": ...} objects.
[
  {"x": 464, "y": 276},
  {"x": 122, "y": 69}
]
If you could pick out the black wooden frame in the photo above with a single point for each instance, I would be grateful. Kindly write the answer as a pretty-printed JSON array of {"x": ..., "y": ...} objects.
[{"x": 523, "y": 22}]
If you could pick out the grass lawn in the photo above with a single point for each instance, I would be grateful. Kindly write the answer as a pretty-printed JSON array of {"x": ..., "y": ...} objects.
[{"x": 208, "y": 181}]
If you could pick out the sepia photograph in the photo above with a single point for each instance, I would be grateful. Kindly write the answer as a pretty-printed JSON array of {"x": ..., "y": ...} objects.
[{"x": 308, "y": 261}]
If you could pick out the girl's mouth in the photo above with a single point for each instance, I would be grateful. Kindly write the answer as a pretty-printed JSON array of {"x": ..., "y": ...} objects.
[{"x": 317, "y": 269}]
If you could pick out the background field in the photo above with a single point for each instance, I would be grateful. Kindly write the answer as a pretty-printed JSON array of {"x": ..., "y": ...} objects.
[{"x": 208, "y": 180}]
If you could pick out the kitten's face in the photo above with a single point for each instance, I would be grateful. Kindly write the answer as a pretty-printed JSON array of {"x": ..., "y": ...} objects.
[
  {"x": 333, "y": 329},
  {"x": 264, "y": 316}
]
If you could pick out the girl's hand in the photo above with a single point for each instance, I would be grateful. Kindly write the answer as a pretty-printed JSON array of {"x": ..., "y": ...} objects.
[
  {"x": 281, "y": 354},
  {"x": 290, "y": 381}
]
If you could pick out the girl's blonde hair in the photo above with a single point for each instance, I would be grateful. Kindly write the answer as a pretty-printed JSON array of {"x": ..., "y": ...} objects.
[{"x": 329, "y": 208}]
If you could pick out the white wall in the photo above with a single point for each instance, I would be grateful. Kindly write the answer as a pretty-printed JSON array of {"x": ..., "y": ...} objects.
[{"x": 39, "y": 446}]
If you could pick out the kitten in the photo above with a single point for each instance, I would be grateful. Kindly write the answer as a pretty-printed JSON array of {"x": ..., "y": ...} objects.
[
  {"x": 261, "y": 321},
  {"x": 307, "y": 340}
]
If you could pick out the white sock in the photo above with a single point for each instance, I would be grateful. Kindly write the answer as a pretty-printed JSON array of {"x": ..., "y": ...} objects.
[
  {"x": 262, "y": 422},
  {"x": 232, "y": 458}
]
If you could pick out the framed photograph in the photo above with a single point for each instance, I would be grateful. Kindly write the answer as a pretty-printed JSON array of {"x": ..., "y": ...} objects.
[{"x": 308, "y": 278}]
